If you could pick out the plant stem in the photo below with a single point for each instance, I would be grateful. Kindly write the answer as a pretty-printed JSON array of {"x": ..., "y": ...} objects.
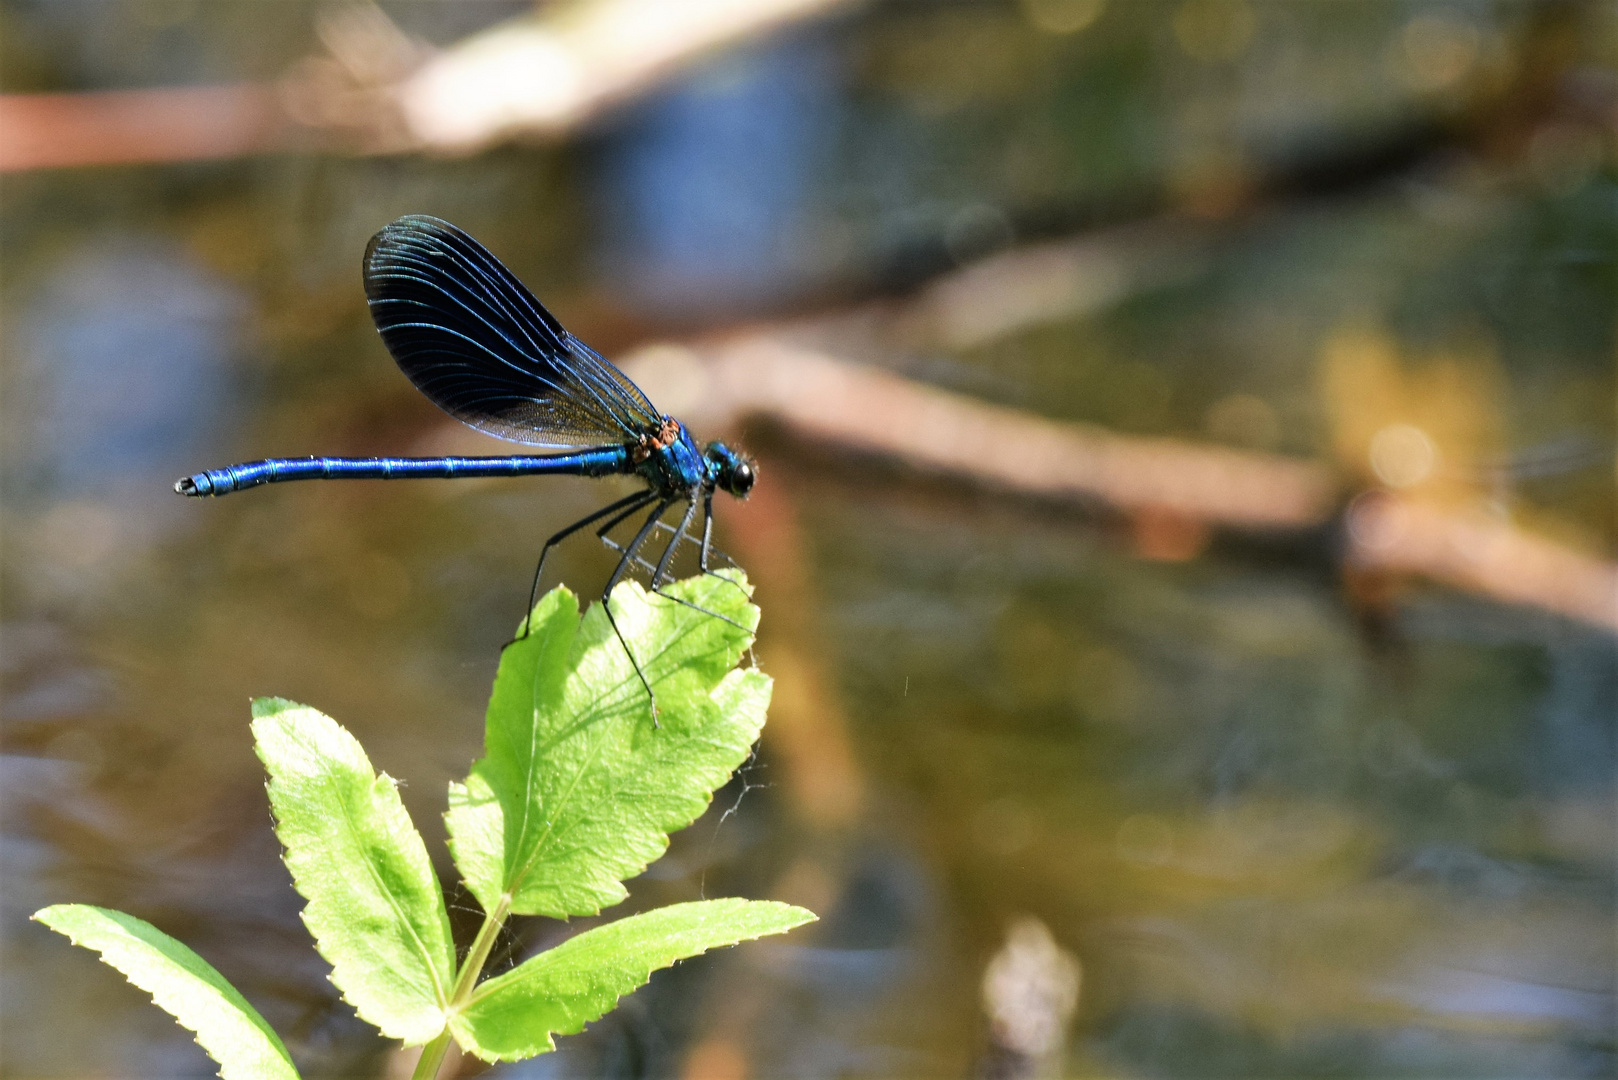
[
  {"x": 482, "y": 945},
  {"x": 432, "y": 1055}
]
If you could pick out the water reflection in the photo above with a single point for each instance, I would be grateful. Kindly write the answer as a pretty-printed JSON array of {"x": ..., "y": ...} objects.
[
  {"x": 121, "y": 369},
  {"x": 703, "y": 189},
  {"x": 1257, "y": 849},
  {"x": 124, "y": 358}
]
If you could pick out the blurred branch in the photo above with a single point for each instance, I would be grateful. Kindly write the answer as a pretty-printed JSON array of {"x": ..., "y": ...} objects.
[
  {"x": 1056, "y": 281},
  {"x": 809, "y": 737},
  {"x": 48, "y": 131},
  {"x": 826, "y": 399},
  {"x": 373, "y": 89},
  {"x": 546, "y": 75},
  {"x": 1472, "y": 551},
  {"x": 772, "y": 374}
]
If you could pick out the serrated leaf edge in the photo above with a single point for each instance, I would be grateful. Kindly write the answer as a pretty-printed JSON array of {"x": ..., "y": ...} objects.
[
  {"x": 440, "y": 990},
  {"x": 604, "y": 894},
  {"x": 494, "y": 985},
  {"x": 140, "y": 981}
]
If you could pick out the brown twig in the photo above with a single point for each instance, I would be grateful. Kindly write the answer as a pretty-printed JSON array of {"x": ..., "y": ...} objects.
[
  {"x": 820, "y": 397},
  {"x": 1472, "y": 551},
  {"x": 544, "y": 76},
  {"x": 373, "y": 90},
  {"x": 50, "y": 131},
  {"x": 866, "y": 409}
]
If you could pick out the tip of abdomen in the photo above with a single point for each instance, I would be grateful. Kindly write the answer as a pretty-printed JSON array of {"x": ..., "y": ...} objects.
[{"x": 192, "y": 485}]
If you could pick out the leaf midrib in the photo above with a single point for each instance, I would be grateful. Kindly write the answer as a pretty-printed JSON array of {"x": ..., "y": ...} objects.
[
  {"x": 327, "y": 778},
  {"x": 683, "y": 628}
]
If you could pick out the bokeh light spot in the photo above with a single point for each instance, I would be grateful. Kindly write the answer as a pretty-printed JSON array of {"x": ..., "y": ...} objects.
[
  {"x": 1402, "y": 455},
  {"x": 1063, "y": 16}
]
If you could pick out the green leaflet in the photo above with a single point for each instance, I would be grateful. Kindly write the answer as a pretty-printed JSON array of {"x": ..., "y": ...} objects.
[
  {"x": 182, "y": 984},
  {"x": 514, "y": 1015},
  {"x": 577, "y": 790},
  {"x": 375, "y": 906}
]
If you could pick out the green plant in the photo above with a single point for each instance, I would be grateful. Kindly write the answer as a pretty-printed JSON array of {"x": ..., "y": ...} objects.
[{"x": 577, "y": 791}]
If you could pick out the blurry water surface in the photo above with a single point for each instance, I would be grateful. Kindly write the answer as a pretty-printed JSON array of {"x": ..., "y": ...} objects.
[{"x": 1283, "y": 822}]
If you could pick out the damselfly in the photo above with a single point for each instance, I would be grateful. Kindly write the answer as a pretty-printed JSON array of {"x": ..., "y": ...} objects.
[{"x": 472, "y": 338}]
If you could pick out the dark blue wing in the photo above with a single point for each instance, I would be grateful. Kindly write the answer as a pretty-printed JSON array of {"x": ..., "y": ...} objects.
[{"x": 472, "y": 338}]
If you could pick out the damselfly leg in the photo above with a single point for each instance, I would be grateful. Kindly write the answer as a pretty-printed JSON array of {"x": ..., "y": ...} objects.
[
  {"x": 612, "y": 583},
  {"x": 708, "y": 549},
  {"x": 631, "y": 559},
  {"x": 704, "y": 546},
  {"x": 629, "y": 504},
  {"x": 668, "y": 552},
  {"x": 659, "y": 572}
]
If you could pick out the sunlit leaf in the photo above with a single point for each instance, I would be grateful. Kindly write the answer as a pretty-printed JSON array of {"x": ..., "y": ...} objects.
[
  {"x": 375, "y": 906},
  {"x": 579, "y": 790},
  {"x": 181, "y": 983},
  {"x": 514, "y": 1015}
]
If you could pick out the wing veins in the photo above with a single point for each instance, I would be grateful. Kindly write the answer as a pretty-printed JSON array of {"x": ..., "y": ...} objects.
[{"x": 490, "y": 322}]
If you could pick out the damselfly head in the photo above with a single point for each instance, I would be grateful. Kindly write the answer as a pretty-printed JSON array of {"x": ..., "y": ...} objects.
[{"x": 732, "y": 472}]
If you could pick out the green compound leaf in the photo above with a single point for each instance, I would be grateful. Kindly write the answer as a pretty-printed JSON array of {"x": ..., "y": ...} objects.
[
  {"x": 578, "y": 790},
  {"x": 514, "y": 1015},
  {"x": 182, "y": 984},
  {"x": 375, "y": 906}
]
